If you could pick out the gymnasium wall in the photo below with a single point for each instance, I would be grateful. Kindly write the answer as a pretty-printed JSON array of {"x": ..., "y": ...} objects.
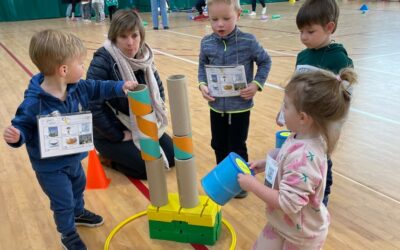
[{"x": 18, "y": 10}]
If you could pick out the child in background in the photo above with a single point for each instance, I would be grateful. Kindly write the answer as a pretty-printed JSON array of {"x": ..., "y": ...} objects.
[
  {"x": 315, "y": 107},
  {"x": 112, "y": 6},
  {"x": 86, "y": 10},
  {"x": 98, "y": 6},
  {"x": 70, "y": 13},
  {"x": 317, "y": 21},
  {"x": 254, "y": 5},
  {"x": 229, "y": 46},
  {"x": 57, "y": 89},
  {"x": 200, "y": 5}
]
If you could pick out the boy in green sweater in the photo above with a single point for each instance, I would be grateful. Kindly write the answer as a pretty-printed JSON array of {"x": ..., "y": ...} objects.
[{"x": 317, "y": 21}]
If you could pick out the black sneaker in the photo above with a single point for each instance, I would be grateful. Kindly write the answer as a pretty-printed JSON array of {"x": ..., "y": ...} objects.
[
  {"x": 72, "y": 241},
  {"x": 241, "y": 195},
  {"x": 89, "y": 219}
]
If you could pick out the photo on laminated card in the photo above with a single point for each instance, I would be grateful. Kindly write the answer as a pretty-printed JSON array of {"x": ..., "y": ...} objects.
[
  {"x": 85, "y": 139},
  {"x": 225, "y": 81},
  {"x": 53, "y": 131}
]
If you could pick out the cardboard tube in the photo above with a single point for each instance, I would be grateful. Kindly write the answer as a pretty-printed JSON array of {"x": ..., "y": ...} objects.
[
  {"x": 139, "y": 100},
  {"x": 157, "y": 182},
  {"x": 179, "y": 105},
  {"x": 187, "y": 180},
  {"x": 150, "y": 149},
  {"x": 183, "y": 147},
  {"x": 148, "y": 126}
]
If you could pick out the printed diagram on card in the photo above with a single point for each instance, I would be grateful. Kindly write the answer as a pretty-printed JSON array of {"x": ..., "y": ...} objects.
[{"x": 225, "y": 81}]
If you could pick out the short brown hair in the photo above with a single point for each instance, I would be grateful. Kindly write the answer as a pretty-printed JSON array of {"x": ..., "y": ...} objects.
[
  {"x": 49, "y": 49},
  {"x": 318, "y": 12},
  {"x": 125, "y": 21},
  {"x": 325, "y": 97}
]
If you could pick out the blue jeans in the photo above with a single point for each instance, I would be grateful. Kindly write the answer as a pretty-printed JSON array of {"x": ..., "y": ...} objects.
[
  {"x": 71, "y": 10},
  {"x": 65, "y": 190},
  {"x": 163, "y": 10}
]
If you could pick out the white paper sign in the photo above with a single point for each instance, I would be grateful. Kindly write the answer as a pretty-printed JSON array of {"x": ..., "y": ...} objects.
[
  {"x": 65, "y": 134},
  {"x": 271, "y": 168},
  {"x": 224, "y": 81}
]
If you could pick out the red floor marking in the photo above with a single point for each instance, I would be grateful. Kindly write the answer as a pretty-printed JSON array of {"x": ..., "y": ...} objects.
[{"x": 16, "y": 60}]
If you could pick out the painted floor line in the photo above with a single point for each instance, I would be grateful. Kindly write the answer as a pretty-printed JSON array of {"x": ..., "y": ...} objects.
[
  {"x": 366, "y": 187},
  {"x": 280, "y": 88}
]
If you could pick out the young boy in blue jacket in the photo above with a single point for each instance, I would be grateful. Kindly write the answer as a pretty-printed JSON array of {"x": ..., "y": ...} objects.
[
  {"x": 228, "y": 46},
  {"x": 57, "y": 90}
]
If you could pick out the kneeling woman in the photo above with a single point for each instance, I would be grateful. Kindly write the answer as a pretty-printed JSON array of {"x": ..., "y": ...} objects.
[{"x": 126, "y": 56}]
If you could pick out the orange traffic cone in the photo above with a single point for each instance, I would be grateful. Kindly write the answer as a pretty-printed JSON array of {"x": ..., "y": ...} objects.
[{"x": 96, "y": 177}]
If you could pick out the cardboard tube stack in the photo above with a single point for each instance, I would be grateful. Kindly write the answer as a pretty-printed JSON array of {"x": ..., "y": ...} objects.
[
  {"x": 183, "y": 144},
  {"x": 142, "y": 114}
]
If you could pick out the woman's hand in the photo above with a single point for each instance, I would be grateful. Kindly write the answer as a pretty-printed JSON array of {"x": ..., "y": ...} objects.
[
  {"x": 249, "y": 92},
  {"x": 257, "y": 166},
  {"x": 246, "y": 181},
  {"x": 129, "y": 85},
  {"x": 127, "y": 135},
  {"x": 206, "y": 93},
  {"x": 11, "y": 134}
]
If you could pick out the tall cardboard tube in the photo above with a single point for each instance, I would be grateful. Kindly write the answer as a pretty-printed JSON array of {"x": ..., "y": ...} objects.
[
  {"x": 139, "y": 100},
  {"x": 183, "y": 147},
  {"x": 157, "y": 182},
  {"x": 187, "y": 179},
  {"x": 179, "y": 105}
]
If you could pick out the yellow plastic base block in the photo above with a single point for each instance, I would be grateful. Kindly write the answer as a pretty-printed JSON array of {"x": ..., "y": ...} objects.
[{"x": 204, "y": 214}]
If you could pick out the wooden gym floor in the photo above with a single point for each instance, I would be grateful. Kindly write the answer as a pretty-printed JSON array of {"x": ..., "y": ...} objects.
[{"x": 365, "y": 203}]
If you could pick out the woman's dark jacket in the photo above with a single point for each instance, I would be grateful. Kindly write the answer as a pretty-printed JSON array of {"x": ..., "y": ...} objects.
[{"x": 105, "y": 123}]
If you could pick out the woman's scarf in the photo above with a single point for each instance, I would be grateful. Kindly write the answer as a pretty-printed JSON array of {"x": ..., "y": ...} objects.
[{"x": 127, "y": 66}]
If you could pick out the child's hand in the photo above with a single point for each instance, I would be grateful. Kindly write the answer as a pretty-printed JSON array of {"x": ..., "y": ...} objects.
[
  {"x": 246, "y": 181},
  {"x": 129, "y": 85},
  {"x": 206, "y": 93},
  {"x": 257, "y": 166},
  {"x": 11, "y": 134},
  {"x": 249, "y": 92}
]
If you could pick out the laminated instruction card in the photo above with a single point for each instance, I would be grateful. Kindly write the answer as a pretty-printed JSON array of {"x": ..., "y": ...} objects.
[
  {"x": 65, "y": 134},
  {"x": 224, "y": 81}
]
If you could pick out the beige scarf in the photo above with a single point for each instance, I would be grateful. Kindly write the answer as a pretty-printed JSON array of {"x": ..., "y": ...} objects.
[{"x": 127, "y": 66}]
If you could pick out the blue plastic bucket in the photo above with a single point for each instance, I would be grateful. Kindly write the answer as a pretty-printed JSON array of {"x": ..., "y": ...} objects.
[
  {"x": 280, "y": 137},
  {"x": 221, "y": 183}
]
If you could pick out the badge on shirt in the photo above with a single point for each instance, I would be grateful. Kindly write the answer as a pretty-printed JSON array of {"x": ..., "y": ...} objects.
[
  {"x": 271, "y": 168},
  {"x": 65, "y": 134}
]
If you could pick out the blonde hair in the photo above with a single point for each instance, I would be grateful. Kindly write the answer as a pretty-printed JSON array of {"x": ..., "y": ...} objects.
[
  {"x": 50, "y": 49},
  {"x": 325, "y": 97},
  {"x": 234, "y": 3}
]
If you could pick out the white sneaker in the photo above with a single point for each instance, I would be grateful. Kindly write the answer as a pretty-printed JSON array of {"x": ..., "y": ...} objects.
[
  {"x": 264, "y": 10},
  {"x": 253, "y": 13}
]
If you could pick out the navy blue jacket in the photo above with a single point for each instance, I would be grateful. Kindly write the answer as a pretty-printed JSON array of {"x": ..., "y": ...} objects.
[
  {"x": 105, "y": 124},
  {"x": 38, "y": 102}
]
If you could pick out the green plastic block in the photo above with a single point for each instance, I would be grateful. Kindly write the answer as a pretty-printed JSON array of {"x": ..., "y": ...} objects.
[{"x": 183, "y": 232}]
